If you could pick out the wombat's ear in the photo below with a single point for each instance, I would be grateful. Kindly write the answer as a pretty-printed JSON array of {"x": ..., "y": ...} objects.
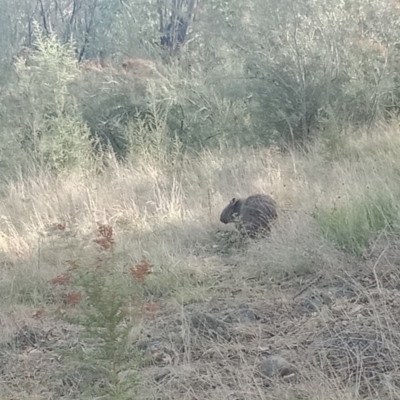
[{"x": 233, "y": 201}]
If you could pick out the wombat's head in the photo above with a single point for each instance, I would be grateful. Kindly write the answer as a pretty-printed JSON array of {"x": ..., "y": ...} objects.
[{"x": 231, "y": 211}]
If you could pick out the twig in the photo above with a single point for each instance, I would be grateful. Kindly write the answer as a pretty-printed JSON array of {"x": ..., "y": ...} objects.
[
  {"x": 376, "y": 264},
  {"x": 315, "y": 280}
]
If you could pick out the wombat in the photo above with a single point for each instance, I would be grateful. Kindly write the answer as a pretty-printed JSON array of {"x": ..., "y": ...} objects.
[{"x": 253, "y": 215}]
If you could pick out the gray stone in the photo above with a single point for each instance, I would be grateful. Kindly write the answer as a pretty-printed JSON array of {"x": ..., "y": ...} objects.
[
  {"x": 273, "y": 366},
  {"x": 209, "y": 326},
  {"x": 315, "y": 301},
  {"x": 246, "y": 316}
]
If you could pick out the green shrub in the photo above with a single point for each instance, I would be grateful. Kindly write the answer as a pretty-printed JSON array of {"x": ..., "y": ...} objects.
[
  {"x": 50, "y": 129},
  {"x": 103, "y": 296},
  {"x": 106, "y": 331},
  {"x": 352, "y": 225}
]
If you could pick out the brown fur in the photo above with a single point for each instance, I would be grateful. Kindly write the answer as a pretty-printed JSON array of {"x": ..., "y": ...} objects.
[
  {"x": 139, "y": 67},
  {"x": 91, "y": 65},
  {"x": 252, "y": 215},
  {"x": 98, "y": 66}
]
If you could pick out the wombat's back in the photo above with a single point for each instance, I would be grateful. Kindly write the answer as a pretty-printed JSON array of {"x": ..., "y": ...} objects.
[{"x": 257, "y": 213}]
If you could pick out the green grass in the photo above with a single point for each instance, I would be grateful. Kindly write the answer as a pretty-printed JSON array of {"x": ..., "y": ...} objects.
[{"x": 352, "y": 225}]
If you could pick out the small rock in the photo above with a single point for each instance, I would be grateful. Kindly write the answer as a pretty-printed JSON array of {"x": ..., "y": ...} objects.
[
  {"x": 209, "y": 326},
  {"x": 246, "y": 316},
  {"x": 315, "y": 301},
  {"x": 273, "y": 366},
  {"x": 346, "y": 290}
]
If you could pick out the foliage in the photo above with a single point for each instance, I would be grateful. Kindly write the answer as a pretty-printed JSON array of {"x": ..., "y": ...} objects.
[
  {"x": 109, "y": 102},
  {"x": 310, "y": 60},
  {"x": 106, "y": 332},
  {"x": 50, "y": 128},
  {"x": 107, "y": 324},
  {"x": 256, "y": 73},
  {"x": 352, "y": 225}
]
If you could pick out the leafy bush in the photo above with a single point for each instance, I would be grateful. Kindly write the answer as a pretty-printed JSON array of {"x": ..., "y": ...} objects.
[
  {"x": 104, "y": 296},
  {"x": 50, "y": 128},
  {"x": 352, "y": 225}
]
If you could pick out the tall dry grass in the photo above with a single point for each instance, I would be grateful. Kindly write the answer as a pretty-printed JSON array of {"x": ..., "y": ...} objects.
[{"x": 169, "y": 213}]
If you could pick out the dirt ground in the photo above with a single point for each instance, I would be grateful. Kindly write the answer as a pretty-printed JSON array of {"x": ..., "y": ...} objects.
[{"x": 324, "y": 338}]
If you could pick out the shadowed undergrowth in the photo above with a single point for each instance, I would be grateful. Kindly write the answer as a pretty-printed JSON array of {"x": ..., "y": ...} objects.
[{"x": 330, "y": 213}]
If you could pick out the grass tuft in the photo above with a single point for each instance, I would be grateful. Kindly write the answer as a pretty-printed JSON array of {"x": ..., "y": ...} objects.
[{"x": 352, "y": 225}]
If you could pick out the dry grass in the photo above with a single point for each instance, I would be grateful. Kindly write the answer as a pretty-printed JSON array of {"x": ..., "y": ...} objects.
[{"x": 164, "y": 218}]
